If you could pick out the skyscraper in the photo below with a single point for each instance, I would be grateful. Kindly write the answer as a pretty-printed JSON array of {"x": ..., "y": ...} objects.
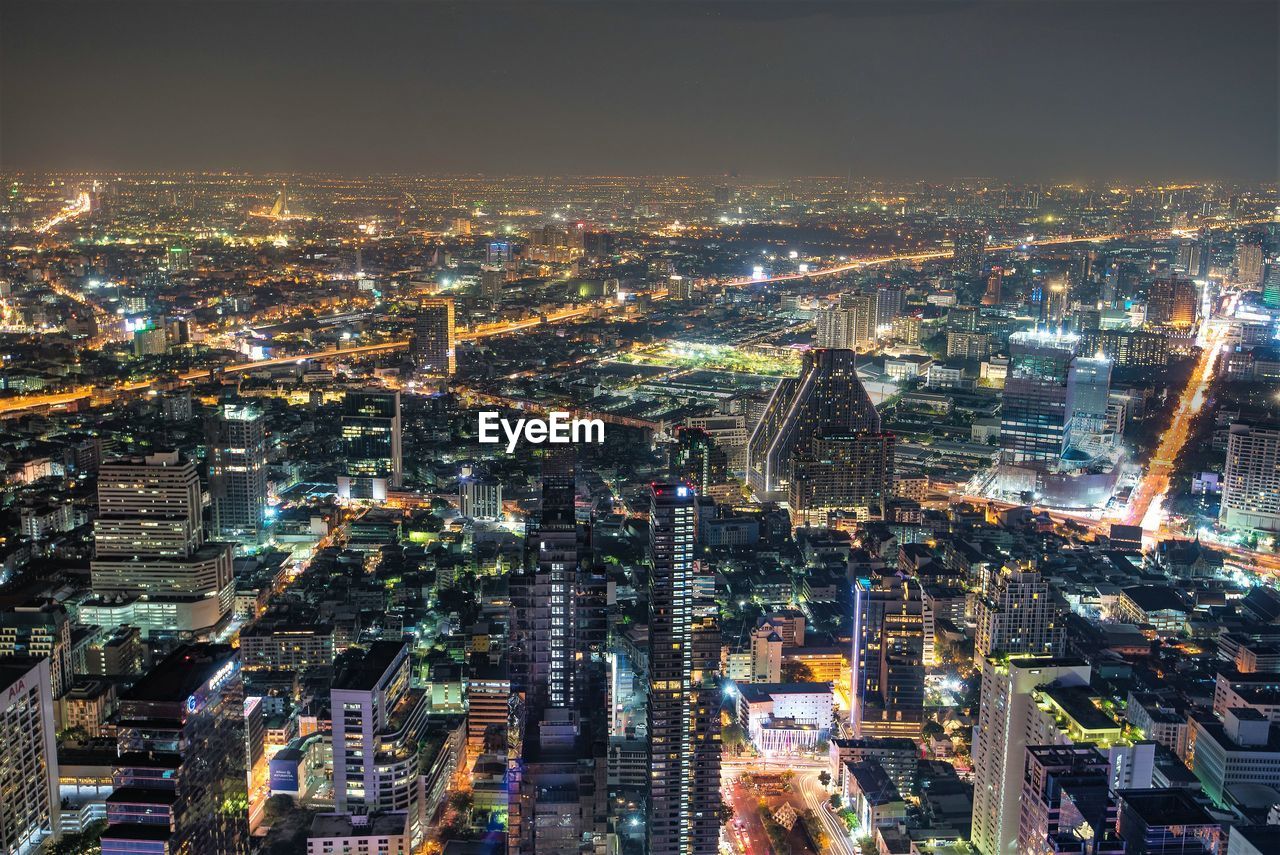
[
  {"x": 370, "y": 445},
  {"x": 1172, "y": 302},
  {"x": 969, "y": 249},
  {"x": 558, "y": 801},
  {"x": 827, "y": 398},
  {"x": 1248, "y": 263},
  {"x": 378, "y": 719},
  {"x": 1033, "y": 420},
  {"x": 1015, "y": 614},
  {"x": 238, "y": 473},
  {"x": 683, "y": 752},
  {"x": 149, "y": 547},
  {"x": 697, "y": 460},
  {"x": 432, "y": 345},
  {"x": 842, "y": 471},
  {"x": 180, "y": 773},
  {"x": 1251, "y": 483},
  {"x": 29, "y": 800},
  {"x": 1066, "y": 801},
  {"x": 889, "y": 302},
  {"x": 887, "y": 674},
  {"x": 1088, "y": 392},
  {"x": 1005, "y": 714}
]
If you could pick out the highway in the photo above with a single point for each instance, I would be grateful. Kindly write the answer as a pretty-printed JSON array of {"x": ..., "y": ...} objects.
[{"x": 56, "y": 399}]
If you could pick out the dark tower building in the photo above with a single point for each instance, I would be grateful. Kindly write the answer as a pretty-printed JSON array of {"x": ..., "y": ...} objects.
[
  {"x": 180, "y": 774},
  {"x": 888, "y": 657},
  {"x": 557, "y": 744},
  {"x": 698, "y": 460},
  {"x": 842, "y": 471},
  {"x": 370, "y": 445},
  {"x": 238, "y": 473},
  {"x": 432, "y": 345},
  {"x": 683, "y": 719},
  {"x": 827, "y": 398}
]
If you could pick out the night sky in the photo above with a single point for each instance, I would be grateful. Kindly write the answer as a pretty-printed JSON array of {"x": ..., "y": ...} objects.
[{"x": 1039, "y": 89}]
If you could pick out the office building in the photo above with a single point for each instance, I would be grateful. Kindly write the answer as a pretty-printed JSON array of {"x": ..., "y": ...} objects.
[
  {"x": 1128, "y": 348},
  {"x": 698, "y": 460},
  {"x": 887, "y": 665},
  {"x": 827, "y": 398},
  {"x": 1166, "y": 821},
  {"x": 683, "y": 715},
  {"x": 842, "y": 472},
  {"x": 1251, "y": 482},
  {"x": 29, "y": 802},
  {"x": 1088, "y": 395},
  {"x": 1006, "y": 713},
  {"x": 371, "y": 453},
  {"x": 179, "y": 776},
  {"x": 1240, "y": 750},
  {"x": 431, "y": 347},
  {"x": 152, "y": 567},
  {"x": 1034, "y": 417},
  {"x": 1066, "y": 802},
  {"x": 479, "y": 495},
  {"x": 1172, "y": 302},
  {"x": 40, "y": 630},
  {"x": 849, "y": 325},
  {"x": 378, "y": 720},
  {"x": 890, "y": 300},
  {"x": 1016, "y": 614},
  {"x": 1248, "y": 263},
  {"x": 238, "y": 474},
  {"x": 558, "y": 777}
]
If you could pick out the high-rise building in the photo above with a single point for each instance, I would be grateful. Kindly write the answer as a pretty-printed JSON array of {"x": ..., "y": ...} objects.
[
  {"x": 969, "y": 249},
  {"x": 1057, "y": 290},
  {"x": 1248, "y": 263},
  {"x": 371, "y": 453},
  {"x": 1128, "y": 348},
  {"x": 698, "y": 460},
  {"x": 995, "y": 287},
  {"x": 1066, "y": 802},
  {"x": 180, "y": 774},
  {"x": 890, "y": 300},
  {"x": 827, "y": 398},
  {"x": 1191, "y": 259},
  {"x": 238, "y": 473},
  {"x": 558, "y": 796},
  {"x": 1005, "y": 714},
  {"x": 479, "y": 495},
  {"x": 1251, "y": 482},
  {"x": 30, "y": 806},
  {"x": 149, "y": 549},
  {"x": 1033, "y": 420},
  {"x": 684, "y": 742},
  {"x": 1088, "y": 393},
  {"x": 842, "y": 472},
  {"x": 1016, "y": 614},
  {"x": 432, "y": 347},
  {"x": 378, "y": 720},
  {"x": 491, "y": 284},
  {"x": 1271, "y": 284},
  {"x": 40, "y": 629},
  {"x": 1172, "y": 302},
  {"x": 887, "y": 675}
]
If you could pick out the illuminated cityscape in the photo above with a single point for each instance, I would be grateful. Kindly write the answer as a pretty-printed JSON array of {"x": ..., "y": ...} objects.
[{"x": 434, "y": 428}]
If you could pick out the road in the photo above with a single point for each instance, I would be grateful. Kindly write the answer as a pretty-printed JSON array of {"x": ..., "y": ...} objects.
[
  {"x": 55, "y": 399},
  {"x": 807, "y": 788}
]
